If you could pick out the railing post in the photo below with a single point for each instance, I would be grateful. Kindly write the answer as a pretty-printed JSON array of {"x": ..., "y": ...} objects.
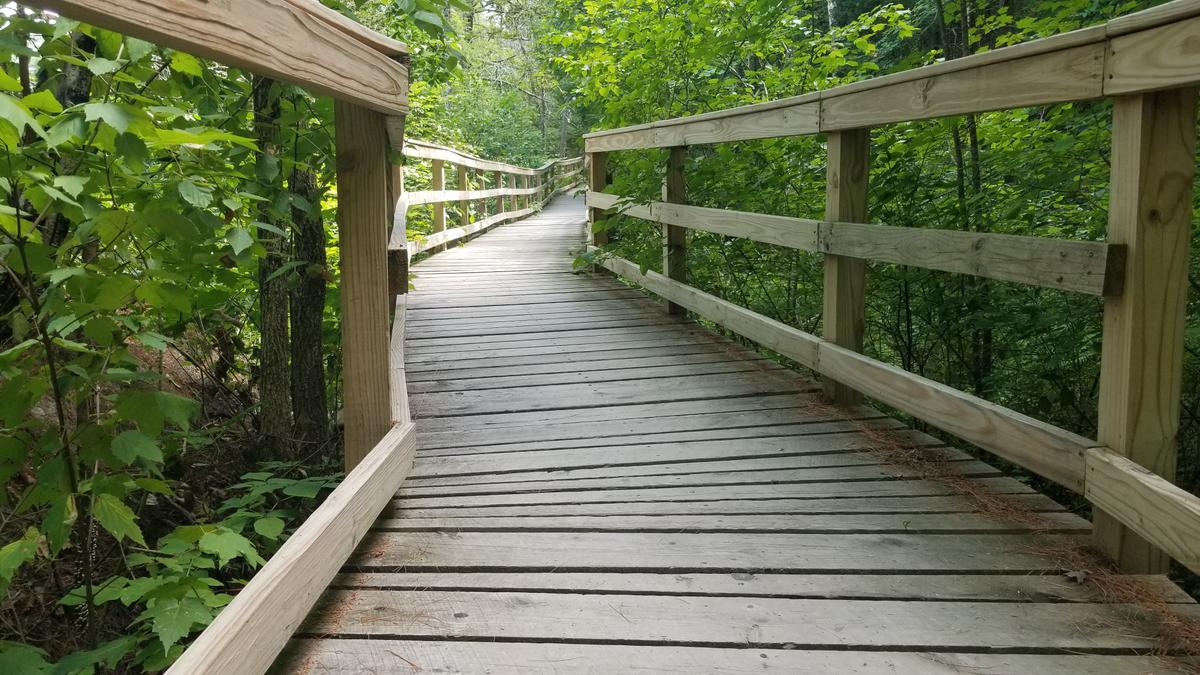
[
  {"x": 499, "y": 198},
  {"x": 847, "y": 178},
  {"x": 362, "y": 184},
  {"x": 464, "y": 206},
  {"x": 438, "y": 182},
  {"x": 525, "y": 185},
  {"x": 597, "y": 181},
  {"x": 674, "y": 236},
  {"x": 1141, "y": 368}
]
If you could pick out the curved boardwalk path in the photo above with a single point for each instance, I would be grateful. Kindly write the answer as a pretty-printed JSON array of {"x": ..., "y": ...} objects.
[{"x": 604, "y": 488}]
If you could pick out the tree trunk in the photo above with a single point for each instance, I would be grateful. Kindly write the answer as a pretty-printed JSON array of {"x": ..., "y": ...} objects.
[
  {"x": 274, "y": 386},
  {"x": 309, "y": 408}
]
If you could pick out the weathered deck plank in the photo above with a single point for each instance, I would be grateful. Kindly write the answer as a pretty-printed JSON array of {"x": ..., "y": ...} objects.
[{"x": 603, "y": 488}]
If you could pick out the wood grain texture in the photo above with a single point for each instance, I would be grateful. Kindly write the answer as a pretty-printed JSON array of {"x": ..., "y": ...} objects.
[
  {"x": 397, "y": 378},
  {"x": 675, "y": 237},
  {"x": 387, "y": 657},
  {"x": 779, "y": 337},
  {"x": 847, "y": 182},
  {"x": 362, "y": 182},
  {"x": 290, "y": 40},
  {"x": 249, "y": 633},
  {"x": 1094, "y": 268},
  {"x": 1072, "y": 74},
  {"x": 1141, "y": 370},
  {"x": 795, "y": 120},
  {"x": 1166, "y": 56},
  {"x": 597, "y": 168},
  {"x": 1039, "y": 447},
  {"x": 1166, "y": 516}
]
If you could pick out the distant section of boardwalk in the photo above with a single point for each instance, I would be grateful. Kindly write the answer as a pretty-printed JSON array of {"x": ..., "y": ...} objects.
[{"x": 603, "y": 488}]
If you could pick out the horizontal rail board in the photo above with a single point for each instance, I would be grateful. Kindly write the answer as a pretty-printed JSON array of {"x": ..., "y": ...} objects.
[
  {"x": 1149, "y": 50},
  {"x": 250, "y": 632},
  {"x": 425, "y": 150},
  {"x": 417, "y": 198},
  {"x": 1165, "y": 515},
  {"x": 293, "y": 40},
  {"x": 1044, "y": 449},
  {"x": 1095, "y": 268}
]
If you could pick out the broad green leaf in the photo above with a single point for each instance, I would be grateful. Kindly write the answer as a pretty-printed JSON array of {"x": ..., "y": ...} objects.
[
  {"x": 269, "y": 527},
  {"x": 128, "y": 446},
  {"x": 182, "y": 62},
  {"x": 17, "y": 553},
  {"x": 16, "y": 657},
  {"x": 239, "y": 239},
  {"x": 59, "y": 520},
  {"x": 305, "y": 489},
  {"x": 102, "y": 66},
  {"x": 8, "y": 82},
  {"x": 108, "y": 654},
  {"x": 194, "y": 194},
  {"x": 18, "y": 115},
  {"x": 43, "y": 100},
  {"x": 172, "y": 618},
  {"x": 110, "y": 113},
  {"x": 114, "y": 516},
  {"x": 227, "y": 545}
]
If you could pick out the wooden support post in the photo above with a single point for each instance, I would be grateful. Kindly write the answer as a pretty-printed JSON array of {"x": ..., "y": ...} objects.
[
  {"x": 1141, "y": 368},
  {"x": 675, "y": 237},
  {"x": 362, "y": 184},
  {"x": 525, "y": 185},
  {"x": 438, "y": 182},
  {"x": 597, "y": 181},
  {"x": 464, "y": 206},
  {"x": 500, "y": 186},
  {"x": 847, "y": 178}
]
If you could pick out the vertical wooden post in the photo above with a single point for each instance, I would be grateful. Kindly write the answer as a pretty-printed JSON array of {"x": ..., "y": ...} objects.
[
  {"x": 675, "y": 237},
  {"x": 847, "y": 177},
  {"x": 500, "y": 186},
  {"x": 397, "y": 263},
  {"x": 438, "y": 182},
  {"x": 362, "y": 184},
  {"x": 525, "y": 186},
  {"x": 597, "y": 181},
  {"x": 464, "y": 206},
  {"x": 1141, "y": 367},
  {"x": 481, "y": 209}
]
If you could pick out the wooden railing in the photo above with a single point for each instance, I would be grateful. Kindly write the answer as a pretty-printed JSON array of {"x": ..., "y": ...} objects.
[
  {"x": 517, "y": 192},
  {"x": 310, "y": 45},
  {"x": 1150, "y": 64}
]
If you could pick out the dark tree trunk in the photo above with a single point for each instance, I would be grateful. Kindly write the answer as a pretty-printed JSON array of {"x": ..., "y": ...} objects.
[
  {"x": 309, "y": 407},
  {"x": 274, "y": 377}
]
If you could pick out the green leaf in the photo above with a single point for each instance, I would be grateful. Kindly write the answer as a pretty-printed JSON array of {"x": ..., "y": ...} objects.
[
  {"x": 182, "y": 62},
  {"x": 66, "y": 129},
  {"x": 304, "y": 489},
  {"x": 109, "y": 654},
  {"x": 173, "y": 618},
  {"x": 267, "y": 168},
  {"x": 102, "y": 66},
  {"x": 18, "y": 115},
  {"x": 239, "y": 239},
  {"x": 130, "y": 445},
  {"x": 8, "y": 82},
  {"x": 269, "y": 527},
  {"x": 114, "y": 516},
  {"x": 110, "y": 113},
  {"x": 227, "y": 545},
  {"x": 43, "y": 100},
  {"x": 17, "y": 553},
  {"x": 195, "y": 195},
  {"x": 60, "y": 518},
  {"x": 21, "y": 658}
]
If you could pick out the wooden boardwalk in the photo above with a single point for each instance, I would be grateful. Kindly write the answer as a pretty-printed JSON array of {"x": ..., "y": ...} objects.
[{"x": 602, "y": 488}]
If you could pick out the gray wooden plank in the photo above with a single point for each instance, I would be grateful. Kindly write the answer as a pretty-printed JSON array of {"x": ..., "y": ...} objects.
[
  {"x": 979, "y": 587},
  {"x": 387, "y": 657},
  {"x": 580, "y": 551},
  {"x": 944, "y": 503},
  {"x": 895, "y": 523},
  {"x": 590, "y": 395},
  {"x": 727, "y": 365},
  {"x": 733, "y": 622},
  {"x": 865, "y": 488}
]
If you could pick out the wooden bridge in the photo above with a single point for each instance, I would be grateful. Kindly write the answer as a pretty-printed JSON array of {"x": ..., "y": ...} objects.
[{"x": 550, "y": 472}]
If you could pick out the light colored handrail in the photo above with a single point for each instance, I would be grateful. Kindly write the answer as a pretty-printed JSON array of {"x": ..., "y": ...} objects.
[
  {"x": 1141, "y": 52},
  {"x": 557, "y": 171},
  {"x": 1149, "y": 63},
  {"x": 297, "y": 41}
]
